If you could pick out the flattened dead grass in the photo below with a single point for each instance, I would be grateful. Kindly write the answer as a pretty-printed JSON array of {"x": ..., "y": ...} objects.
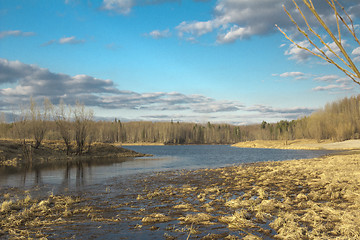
[
  {"x": 27, "y": 217},
  {"x": 198, "y": 218},
  {"x": 299, "y": 199},
  {"x": 156, "y": 217}
]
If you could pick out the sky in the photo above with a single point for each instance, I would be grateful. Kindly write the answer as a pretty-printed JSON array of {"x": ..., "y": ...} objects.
[{"x": 219, "y": 61}]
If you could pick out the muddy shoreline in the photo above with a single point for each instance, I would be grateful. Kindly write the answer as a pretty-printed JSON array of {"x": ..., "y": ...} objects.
[{"x": 297, "y": 199}]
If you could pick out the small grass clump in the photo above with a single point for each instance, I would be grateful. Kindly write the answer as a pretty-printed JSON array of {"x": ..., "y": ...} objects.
[{"x": 155, "y": 218}]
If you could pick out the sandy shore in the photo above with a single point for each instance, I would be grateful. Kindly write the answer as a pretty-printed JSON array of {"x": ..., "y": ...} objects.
[{"x": 301, "y": 144}]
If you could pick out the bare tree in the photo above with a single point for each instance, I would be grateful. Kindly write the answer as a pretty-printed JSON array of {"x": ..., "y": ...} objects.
[
  {"x": 3, "y": 127},
  {"x": 82, "y": 119},
  {"x": 20, "y": 126},
  {"x": 62, "y": 118},
  {"x": 338, "y": 56},
  {"x": 38, "y": 120}
]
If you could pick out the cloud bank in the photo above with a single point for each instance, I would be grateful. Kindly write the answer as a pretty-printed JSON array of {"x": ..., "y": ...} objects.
[
  {"x": 242, "y": 19},
  {"x": 28, "y": 80}
]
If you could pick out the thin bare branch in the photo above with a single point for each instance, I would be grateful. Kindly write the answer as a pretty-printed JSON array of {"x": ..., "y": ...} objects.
[
  {"x": 352, "y": 70},
  {"x": 325, "y": 57},
  {"x": 317, "y": 35},
  {"x": 352, "y": 30}
]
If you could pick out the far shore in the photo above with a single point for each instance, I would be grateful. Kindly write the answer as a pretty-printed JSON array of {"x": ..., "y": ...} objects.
[
  {"x": 298, "y": 144},
  {"x": 301, "y": 144},
  {"x": 14, "y": 154},
  {"x": 139, "y": 144}
]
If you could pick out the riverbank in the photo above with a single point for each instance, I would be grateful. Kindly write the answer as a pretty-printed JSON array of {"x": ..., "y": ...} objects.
[
  {"x": 301, "y": 144},
  {"x": 297, "y": 199},
  {"x": 139, "y": 144},
  {"x": 13, "y": 153}
]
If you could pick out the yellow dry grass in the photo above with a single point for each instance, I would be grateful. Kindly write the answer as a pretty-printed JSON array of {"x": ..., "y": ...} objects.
[
  {"x": 298, "y": 199},
  {"x": 21, "y": 218},
  {"x": 303, "y": 144},
  {"x": 155, "y": 217}
]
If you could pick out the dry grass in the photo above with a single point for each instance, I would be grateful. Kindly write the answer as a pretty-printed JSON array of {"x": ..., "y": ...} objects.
[
  {"x": 198, "y": 218},
  {"x": 155, "y": 217},
  {"x": 28, "y": 218},
  {"x": 299, "y": 199},
  {"x": 305, "y": 144}
]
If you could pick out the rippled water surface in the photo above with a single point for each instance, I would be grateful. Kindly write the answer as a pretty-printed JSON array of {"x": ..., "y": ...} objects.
[{"x": 80, "y": 175}]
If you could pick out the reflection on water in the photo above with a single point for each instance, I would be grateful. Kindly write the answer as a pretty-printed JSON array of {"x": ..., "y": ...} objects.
[
  {"x": 78, "y": 174},
  {"x": 71, "y": 173}
]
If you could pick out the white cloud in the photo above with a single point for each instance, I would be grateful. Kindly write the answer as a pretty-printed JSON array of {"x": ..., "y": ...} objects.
[
  {"x": 124, "y": 6},
  {"x": 299, "y": 54},
  {"x": 327, "y": 78},
  {"x": 119, "y": 6},
  {"x": 356, "y": 51},
  {"x": 16, "y": 33},
  {"x": 240, "y": 19},
  {"x": 335, "y": 80},
  {"x": 235, "y": 33},
  {"x": 331, "y": 87},
  {"x": 64, "y": 40},
  {"x": 356, "y": 54},
  {"x": 70, "y": 40},
  {"x": 280, "y": 113},
  {"x": 157, "y": 34},
  {"x": 296, "y": 75},
  {"x": 197, "y": 28}
]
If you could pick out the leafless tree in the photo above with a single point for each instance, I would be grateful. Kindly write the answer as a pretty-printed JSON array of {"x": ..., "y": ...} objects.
[
  {"x": 82, "y": 119},
  {"x": 38, "y": 120},
  {"x": 62, "y": 118}
]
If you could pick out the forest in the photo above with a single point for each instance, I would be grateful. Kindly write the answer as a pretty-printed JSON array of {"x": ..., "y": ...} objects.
[{"x": 337, "y": 121}]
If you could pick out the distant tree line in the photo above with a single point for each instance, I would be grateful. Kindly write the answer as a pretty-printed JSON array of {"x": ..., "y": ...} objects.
[
  {"x": 75, "y": 126},
  {"x": 337, "y": 121},
  {"x": 169, "y": 132}
]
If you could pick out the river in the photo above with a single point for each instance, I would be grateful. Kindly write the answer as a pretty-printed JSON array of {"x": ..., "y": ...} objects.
[{"x": 79, "y": 176}]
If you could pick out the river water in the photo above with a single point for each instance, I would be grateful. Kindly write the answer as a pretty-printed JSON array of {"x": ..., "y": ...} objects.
[{"x": 83, "y": 175}]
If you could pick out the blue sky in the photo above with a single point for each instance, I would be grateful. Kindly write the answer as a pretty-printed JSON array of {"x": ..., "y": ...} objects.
[{"x": 157, "y": 60}]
